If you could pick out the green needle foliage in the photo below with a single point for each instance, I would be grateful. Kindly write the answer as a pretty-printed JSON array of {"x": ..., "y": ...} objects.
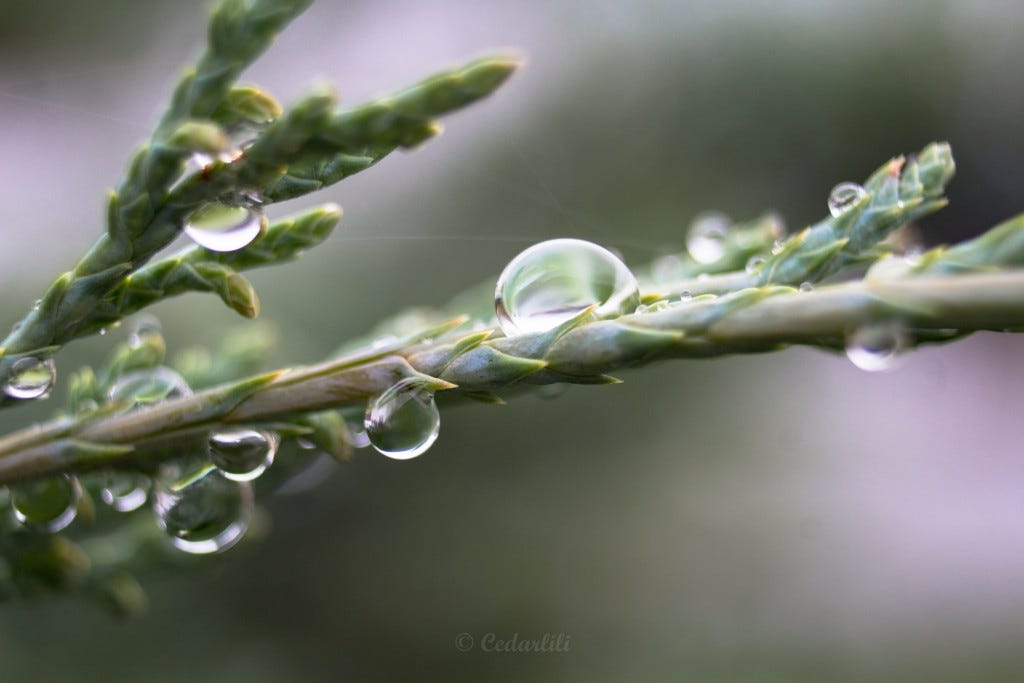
[{"x": 760, "y": 293}]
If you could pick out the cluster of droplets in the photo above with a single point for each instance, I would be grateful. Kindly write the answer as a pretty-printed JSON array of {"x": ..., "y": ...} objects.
[
  {"x": 234, "y": 222},
  {"x": 542, "y": 288}
]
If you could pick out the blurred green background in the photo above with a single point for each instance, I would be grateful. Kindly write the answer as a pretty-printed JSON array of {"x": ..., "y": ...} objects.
[{"x": 775, "y": 518}]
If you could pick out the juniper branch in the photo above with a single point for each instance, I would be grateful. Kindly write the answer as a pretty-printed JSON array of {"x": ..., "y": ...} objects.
[
  {"x": 482, "y": 364},
  {"x": 303, "y": 149}
]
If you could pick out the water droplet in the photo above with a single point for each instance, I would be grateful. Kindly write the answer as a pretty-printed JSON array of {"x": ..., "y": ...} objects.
[
  {"x": 843, "y": 197},
  {"x": 102, "y": 331},
  {"x": 124, "y": 491},
  {"x": 30, "y": 378},
  {"x": 146, "y": 326},
  {"x": 552, "y": 391},
  {"x": 305, "y": 444},
  {"x": 667, "y": 268},
  {"x": 47, "y": 505},
  {"x": 403, "y": 422},
  {"x": 706, "y": 239},
  {"x": 201, "y": 510},
  {"x": 686, "y": 296},
  {"x": 37, "y": 304},
  {"x": 806, "y": 287},
  {"x": 225, "y": 227},
  {"x": 877, "y": 346},
  {"x": 552, "y": 281},
  {"x": 778, "y": 246},
  {"x": 144, "y": 387},
  {"x": 242, "y": 454},
  {"x": 754, "y": 263}
]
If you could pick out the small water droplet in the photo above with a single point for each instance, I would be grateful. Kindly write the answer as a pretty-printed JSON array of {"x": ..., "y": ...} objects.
[
  {"x": 806, "y": 287},
  {"x": 145, "y": 326},
  {"x": 686, "y": 296},
  {"x": 37, "y": 304},
  {"x": 552, "y": 391},
  {"x": 843, "y": 197},
  {"x": 706, "y": 239},
  {"x": 305, "y": 444},
  {"x": 778, "y": 246},
  {"x": 144, "y": 387},
  {"x": 550, "y": 282},
  {"x": 876, "y": 347},
  {"x": 124, "y": 491},
  {"x": 30, "y": 378},
  {"x": 102, "y": 331},
  {"x": 754, "y": 263},
  {"x": 667, "y": 268},
  {"x": 200, "y": 509},
  {"x": 403, "y": 422},
  {"x": 242, "y": 454},
  {"x": 225, "y": 227},
  {"x": 46, "y": 505}
]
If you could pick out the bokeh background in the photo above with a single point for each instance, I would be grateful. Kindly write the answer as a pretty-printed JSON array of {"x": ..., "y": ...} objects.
[{"x": 775, "y": 518}]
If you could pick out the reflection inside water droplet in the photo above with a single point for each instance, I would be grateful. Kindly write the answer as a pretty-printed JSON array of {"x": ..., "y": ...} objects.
[
  {"x": 242, "y": 454},
  {"x": 124, "y": 491},
  {"x": 144, "y": 387},
  {"x": 877, "y": 347},
  {"x": 225, "y": 227},
  {"x": 551, "y": 282},
  {"x": 403, "y": 422},
  {"x": 46, "y": 505},
  {"x": 30, "y": 378},
  {"x": 201, "y": 510},
  {"x": 844, "y": 197}
]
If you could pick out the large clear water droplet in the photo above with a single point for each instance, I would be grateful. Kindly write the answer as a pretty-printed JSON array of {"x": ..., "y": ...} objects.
[
  {"x": 706, "y": 239},
  {"x": 877, "y": 347},
  {"x": 30, "y": 377},
  {"x": 46, "y": 505},
  {"x": 201, "y": 510},
  {"x": 552, "y": 281},
  {"x": 403, "y": 422},
  {"x": 144, "y": 387},
  {"x": 124, "y": 491},
  {"x": 242, "y": 454},
  {"x": 844, "y": 197},
  {"x": 224, "y": 227},
  {"x": 754, "y": 263}
]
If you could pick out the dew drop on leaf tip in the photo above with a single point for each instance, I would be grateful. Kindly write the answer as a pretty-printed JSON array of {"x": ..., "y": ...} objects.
[
  {"x": 877, "y": 347},
  {"x": 403, "y": 422}
]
